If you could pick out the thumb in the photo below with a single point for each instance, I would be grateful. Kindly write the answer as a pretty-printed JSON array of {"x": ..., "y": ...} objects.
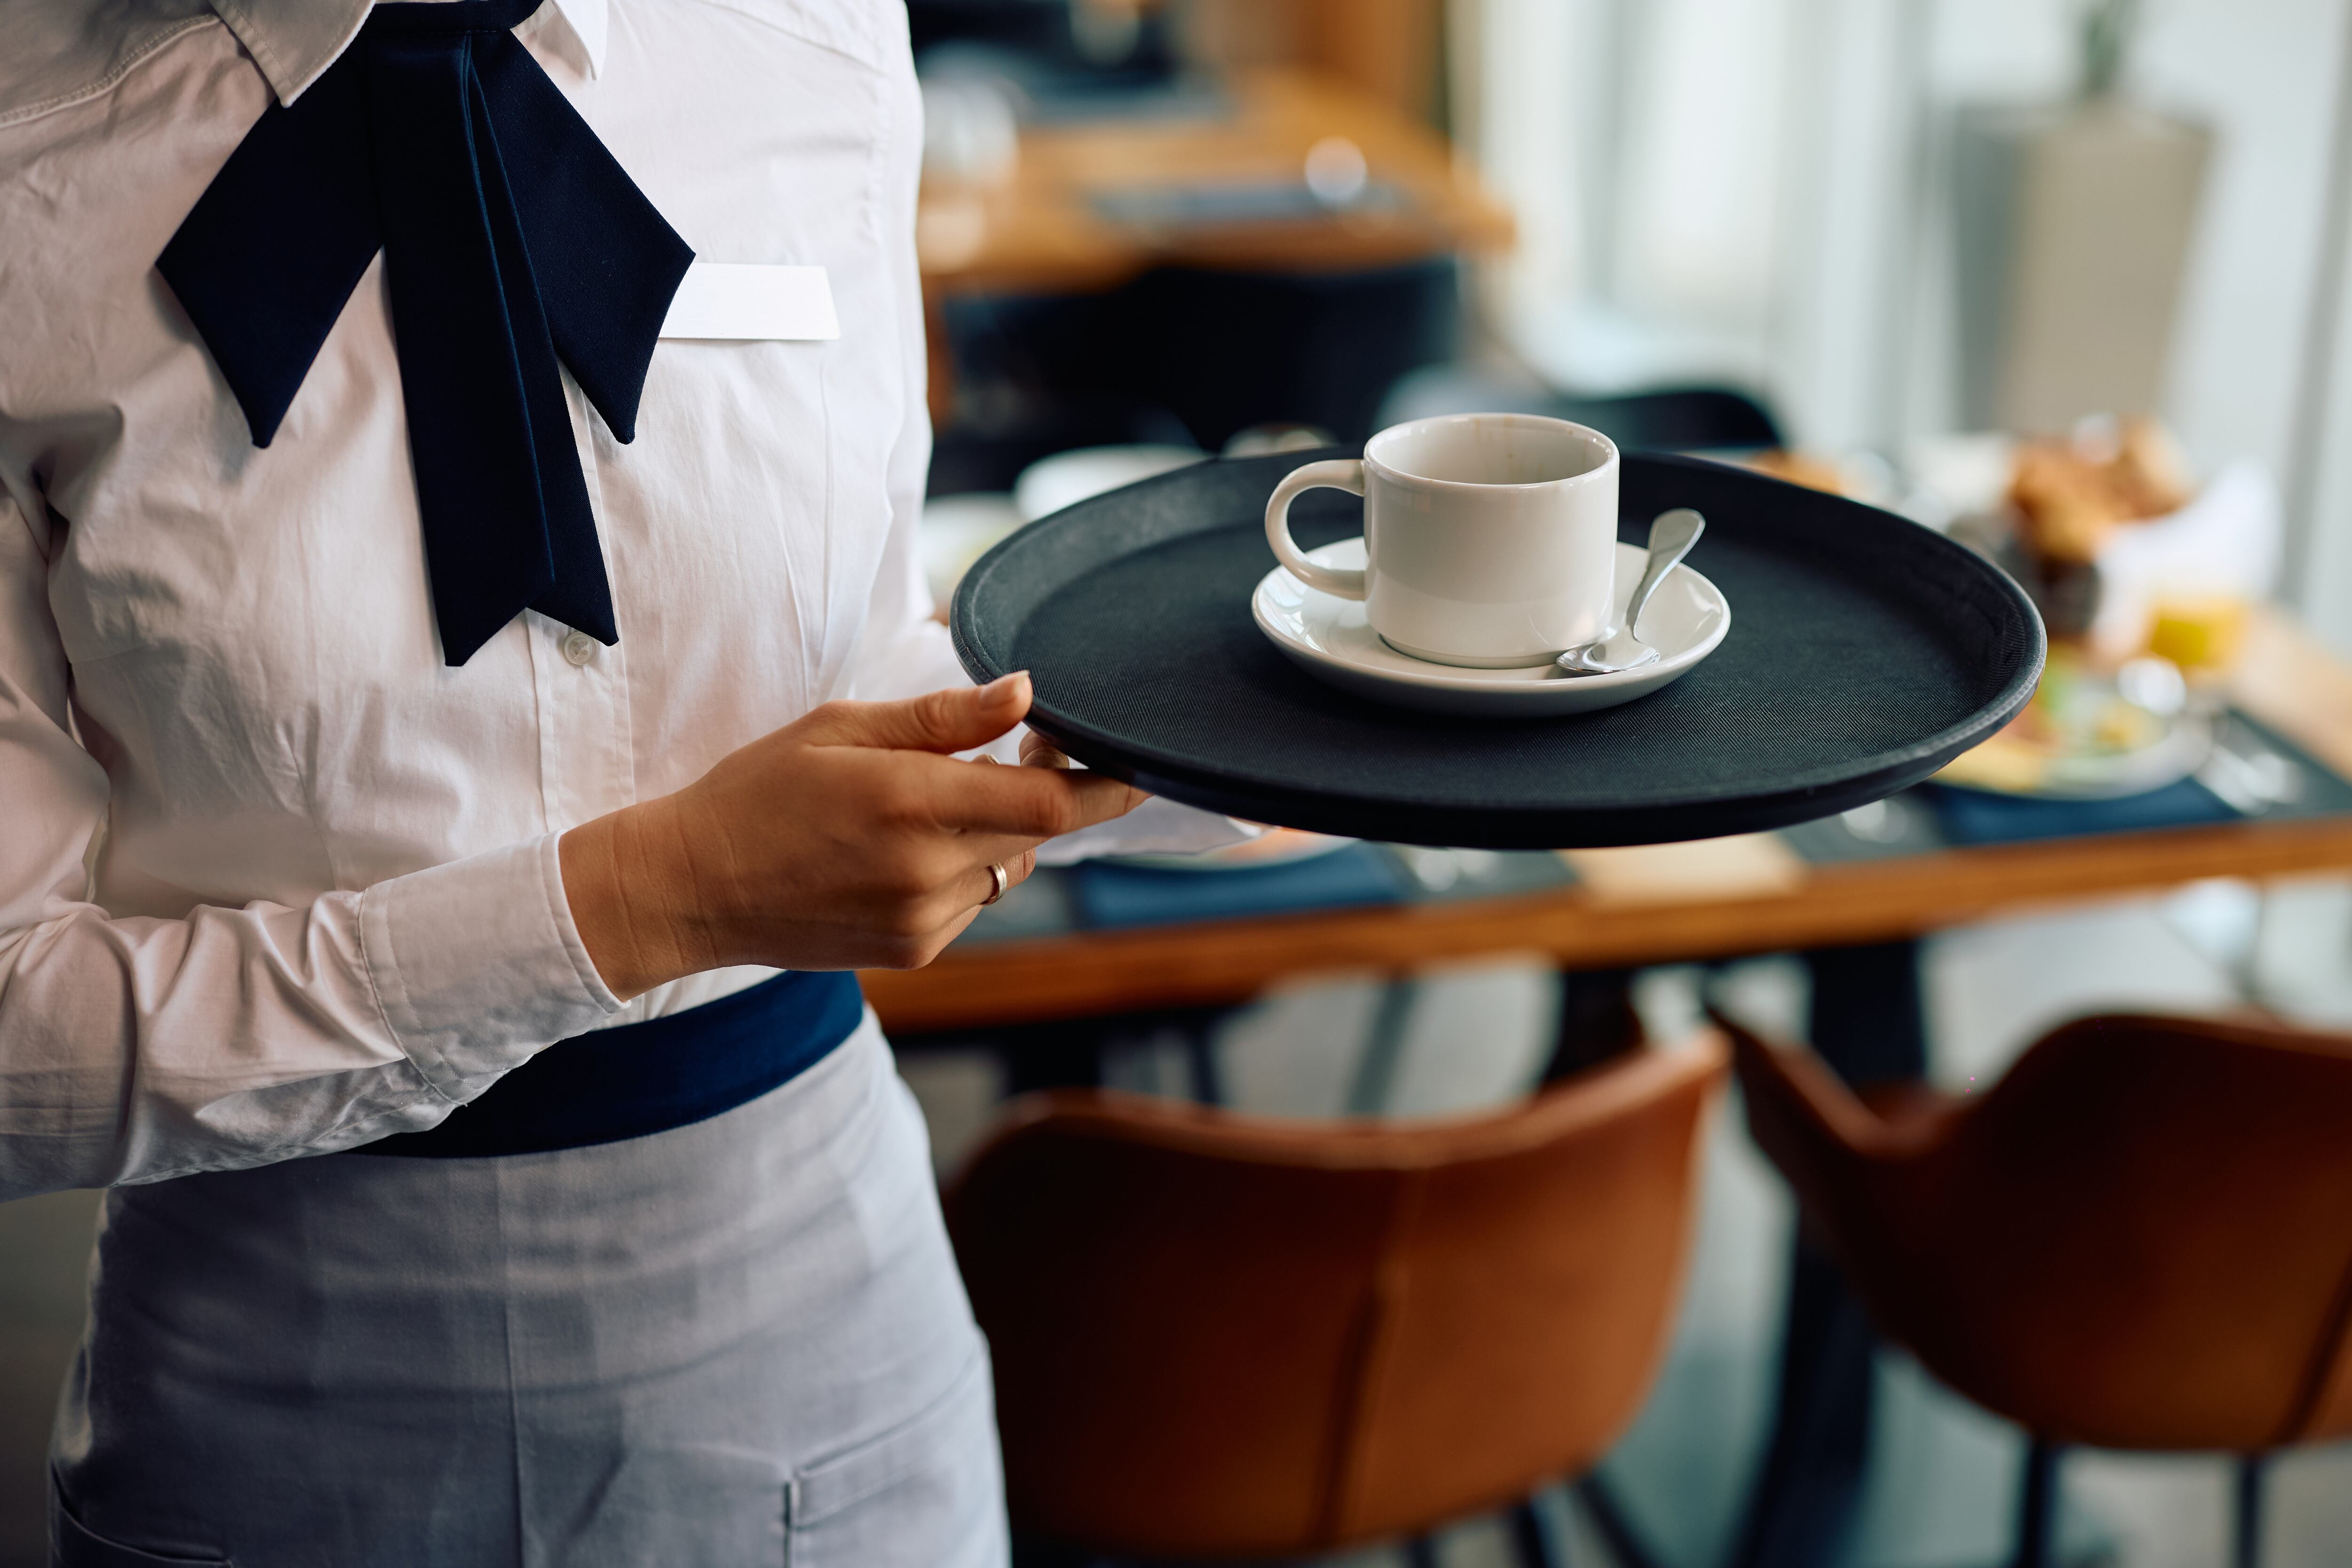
[{"x": 951, "y": 721}]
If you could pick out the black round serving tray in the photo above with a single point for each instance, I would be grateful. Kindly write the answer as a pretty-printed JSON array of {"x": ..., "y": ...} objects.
[{"x": 1865, "y": 652}]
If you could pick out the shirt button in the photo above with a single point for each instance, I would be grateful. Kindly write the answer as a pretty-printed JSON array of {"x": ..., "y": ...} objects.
[{"x": 579, "y": 647}]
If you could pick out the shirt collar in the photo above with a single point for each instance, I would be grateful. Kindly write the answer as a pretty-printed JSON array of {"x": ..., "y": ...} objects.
[
  {"x": 294, "y": 40},
  {"x": 585, "y": 21}
]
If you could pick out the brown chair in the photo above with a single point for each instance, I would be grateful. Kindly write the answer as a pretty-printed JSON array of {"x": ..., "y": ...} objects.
[
  {"x": 1219, "y": 1335},
  {"x": 2141, "y": 1238}
]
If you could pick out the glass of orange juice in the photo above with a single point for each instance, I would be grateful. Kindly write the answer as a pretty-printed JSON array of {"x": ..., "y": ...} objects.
[{"x": 2200, "y": 632}]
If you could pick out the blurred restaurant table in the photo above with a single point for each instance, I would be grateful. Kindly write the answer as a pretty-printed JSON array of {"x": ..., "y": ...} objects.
[
  {"x": 1266, "y": 170},
  {"x": 1090, "y": 203},
  {"x": 1896, "y": 871},
  {"x": 1853, "y": 893}
]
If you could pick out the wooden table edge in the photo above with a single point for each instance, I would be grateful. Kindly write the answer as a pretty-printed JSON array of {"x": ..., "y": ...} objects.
[{"x": 1220, "y": 961}]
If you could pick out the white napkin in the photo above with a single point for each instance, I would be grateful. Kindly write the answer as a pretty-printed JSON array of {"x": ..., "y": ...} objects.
[{"x": 1156, "y": 827}]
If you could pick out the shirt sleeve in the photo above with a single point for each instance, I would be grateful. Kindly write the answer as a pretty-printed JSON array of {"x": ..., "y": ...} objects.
[{"x": 137, "y": 1049}]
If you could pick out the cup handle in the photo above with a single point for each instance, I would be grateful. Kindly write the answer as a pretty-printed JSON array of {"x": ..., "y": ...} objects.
[{"x": 1341, "y": 474}]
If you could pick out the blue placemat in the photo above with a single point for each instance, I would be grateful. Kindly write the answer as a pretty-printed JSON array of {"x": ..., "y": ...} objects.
[
  {"x": 1214, "y": 204},
  {"x": 1108, "y": 896},
  {"x": 1974, "y": 816}
]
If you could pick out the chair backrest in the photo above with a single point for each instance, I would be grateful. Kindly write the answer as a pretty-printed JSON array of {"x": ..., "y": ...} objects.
[
  {"x": 1221, "y": 1335},
  {"x": 1663, "y": 419},
  {"x": 2140, "y": 1238},
  {"x": 1675, "y": 419}
]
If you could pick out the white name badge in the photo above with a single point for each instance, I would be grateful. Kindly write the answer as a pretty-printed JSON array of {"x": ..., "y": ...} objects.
[{"x": 738, "y": 300}]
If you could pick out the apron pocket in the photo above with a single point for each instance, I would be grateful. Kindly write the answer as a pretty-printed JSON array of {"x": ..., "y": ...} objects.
[
  {"x": 74, "y": 1545},
  {"x": 928, "y": 1493}
]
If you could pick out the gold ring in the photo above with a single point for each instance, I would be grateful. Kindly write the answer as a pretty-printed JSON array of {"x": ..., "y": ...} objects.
[{"x": 997, "y": 875}]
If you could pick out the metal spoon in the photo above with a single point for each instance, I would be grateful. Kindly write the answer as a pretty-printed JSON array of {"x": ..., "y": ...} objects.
[{"x": 1671, "y": 538}]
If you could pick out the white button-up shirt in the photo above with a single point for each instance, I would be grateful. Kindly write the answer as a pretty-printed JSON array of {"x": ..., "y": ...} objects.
[{"x": 274, "y": 880}]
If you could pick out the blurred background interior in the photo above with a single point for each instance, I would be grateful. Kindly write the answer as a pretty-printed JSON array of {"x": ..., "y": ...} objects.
[{"x": 2067, "y": 280}]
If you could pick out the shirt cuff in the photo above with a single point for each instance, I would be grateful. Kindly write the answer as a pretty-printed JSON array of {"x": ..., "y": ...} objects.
[{"x": 476, "y": 965}]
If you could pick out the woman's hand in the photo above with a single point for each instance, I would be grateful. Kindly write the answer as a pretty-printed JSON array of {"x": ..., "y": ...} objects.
[{"x": 848, "y": 840}]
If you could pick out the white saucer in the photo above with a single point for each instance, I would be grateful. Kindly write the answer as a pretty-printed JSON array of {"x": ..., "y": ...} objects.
[{"x": 1329, "y": 638}]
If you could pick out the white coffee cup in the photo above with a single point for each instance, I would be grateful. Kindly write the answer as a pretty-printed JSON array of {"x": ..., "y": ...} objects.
[{"x": 1491, "y": 538}]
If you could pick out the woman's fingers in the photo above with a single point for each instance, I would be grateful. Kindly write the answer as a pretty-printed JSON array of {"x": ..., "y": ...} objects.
[
  {"x": 1035, "y": 802},
  {"x": 943, "y": 722},
  {"x": 965, "y": 866},
  {"x": 850, "y": 838},
  {"x": 1036, "y": 752},
  {"x": 983, "y": 882}
]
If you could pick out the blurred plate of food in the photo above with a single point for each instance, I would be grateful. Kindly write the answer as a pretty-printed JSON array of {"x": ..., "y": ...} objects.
[
  {"x": 2092, "y": 734},
  {"x": 2107, "y": 525}
]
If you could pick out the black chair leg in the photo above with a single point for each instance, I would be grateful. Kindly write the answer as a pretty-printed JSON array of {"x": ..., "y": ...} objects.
[
  {"x": 1421, "y": 1552},
  {"x": 1536, "y": 1538},
  {"x": 2253, "y": 1471},
  {"x": 2037, "y": 1507},
  {"x": 1625, "y": 1547},
  {"x": 1376, "y": 1069},
  {"x": 1597, "y": 1021},
  {"x": 1201, "y": 1060}
]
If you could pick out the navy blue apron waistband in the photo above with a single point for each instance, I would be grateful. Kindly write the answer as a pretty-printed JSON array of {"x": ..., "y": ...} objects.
[{"x": 636, "y": 1079}]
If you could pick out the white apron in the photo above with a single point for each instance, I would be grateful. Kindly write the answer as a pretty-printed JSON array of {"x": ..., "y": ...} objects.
[{"x": 741, "y": 1342}]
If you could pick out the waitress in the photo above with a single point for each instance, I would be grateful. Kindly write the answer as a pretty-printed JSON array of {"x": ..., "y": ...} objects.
[{"x": 467, "y": 698}]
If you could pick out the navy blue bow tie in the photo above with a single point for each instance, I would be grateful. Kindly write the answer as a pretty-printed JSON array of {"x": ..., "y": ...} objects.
[{"x": 510, "y": 239}]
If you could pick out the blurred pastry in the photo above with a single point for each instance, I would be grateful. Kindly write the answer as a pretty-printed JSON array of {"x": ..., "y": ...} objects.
[{"x": 2071, "y": 495}]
